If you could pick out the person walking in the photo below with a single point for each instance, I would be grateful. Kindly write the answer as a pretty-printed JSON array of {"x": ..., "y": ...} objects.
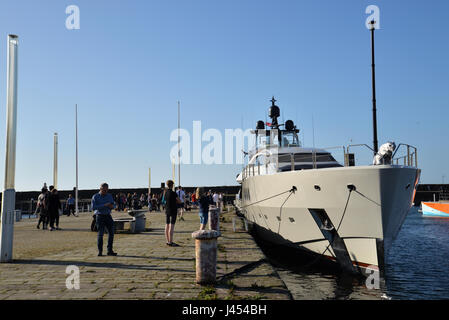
[
  {"x": 42, "y": 209},
  {"x": 215, "y": 199},
  {"x": 71, "y": 206},
  {"x": 122, "y": 202},
  {"x": 193, "y": 198},
  {"x": 142, "y": 201},
  {"x": 203, "y": 202},
  {"x": 154, "y": 203},
  {"x": 54, "y": 205},
  {"x": 150, "y": 202},
  {"x": 209, "y": 195},
  {"x": 117, "y": 201},
  {"x": 102, "y": 204},
  {"x": 181, "y": 195},
  {"x": 129, "y": 199},
  {"x": 135, "y": 201},
  {"x": 220, "y": 200},
  {"x": 171, "y": 212}
]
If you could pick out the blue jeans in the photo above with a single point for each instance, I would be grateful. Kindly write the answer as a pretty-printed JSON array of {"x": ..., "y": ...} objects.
[
  {"x": 104, "y": 221},
  {"x": 204, "y": 216}
]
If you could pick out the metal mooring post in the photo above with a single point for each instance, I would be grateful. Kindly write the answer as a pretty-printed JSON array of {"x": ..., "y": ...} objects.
[
  {"x": 206, "y": 255},
  {"x": 214, "y": 218}
]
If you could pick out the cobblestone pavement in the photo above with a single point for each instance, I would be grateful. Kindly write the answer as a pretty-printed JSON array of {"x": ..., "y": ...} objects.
[{"x": 145, "y": 268}]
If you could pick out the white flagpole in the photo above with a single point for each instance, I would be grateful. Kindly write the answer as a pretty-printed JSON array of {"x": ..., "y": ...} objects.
[
  {"x": 149, "y": 181},
  {"x": 55, "y": 160},
  {"x": 76, "y": 170},
  {"x": 9, "y": 192},
  {"x": 173, "y": 169},
  {"x": 179, "y": 152}
]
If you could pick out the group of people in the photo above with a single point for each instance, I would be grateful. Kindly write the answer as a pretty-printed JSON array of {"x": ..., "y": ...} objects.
[
  {"x": 48, "y": 208},
  {"x": 174, "y": 204},
  {"x": 130, "y": 201}
]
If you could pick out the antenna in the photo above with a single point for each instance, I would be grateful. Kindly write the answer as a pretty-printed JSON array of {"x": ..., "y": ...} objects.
[
  {"x": 76, "y": 159},
  {"x": 299, "y": 127},
  {"x": 283, "y": 120},
  {"x": 243, "y": 141},
  {"x": 313, "y": 143}
]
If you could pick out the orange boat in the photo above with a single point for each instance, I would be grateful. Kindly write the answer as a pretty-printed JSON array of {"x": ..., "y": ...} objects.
[{"x": 436, "y": 209}]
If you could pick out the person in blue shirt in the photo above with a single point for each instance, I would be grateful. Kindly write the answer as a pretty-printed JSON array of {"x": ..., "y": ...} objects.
[
  {"x": 71, "y": 206},
  {"x": 102, "y": 204}
]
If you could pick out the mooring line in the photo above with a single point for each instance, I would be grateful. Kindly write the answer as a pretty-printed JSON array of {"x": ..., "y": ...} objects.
[
  {"x": 367, "y": 198},
  {"x": 246, "y": 268},
  {"x": 293, "y": 189},
  {"x": 280, "y": 210}
]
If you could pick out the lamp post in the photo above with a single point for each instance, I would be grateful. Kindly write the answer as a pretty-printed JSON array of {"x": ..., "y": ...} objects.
[
  {"x": 9, "y": 193},
  {"x": 373, "y": 76},
  {"x": 76, "y": 159},
  {"x": 179, "y": 152}
]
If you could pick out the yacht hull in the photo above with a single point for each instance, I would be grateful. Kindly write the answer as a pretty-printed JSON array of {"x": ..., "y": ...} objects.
[{"x": 368, "y": 218}]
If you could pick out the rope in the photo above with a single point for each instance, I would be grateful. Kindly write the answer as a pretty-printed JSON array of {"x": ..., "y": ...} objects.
[
  {"x": 280, "y": 210},
  {"x": 367, "y": 198},
  {"x": 293, "y": 189},
  {"x": 246, "y": 268}
]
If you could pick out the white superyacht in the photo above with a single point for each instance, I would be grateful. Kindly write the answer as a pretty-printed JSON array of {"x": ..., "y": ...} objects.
[{"x": 304, "y": 198}]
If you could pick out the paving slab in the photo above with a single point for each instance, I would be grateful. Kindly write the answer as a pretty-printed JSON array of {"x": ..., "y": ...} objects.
[{"x": 145, "y": 268}]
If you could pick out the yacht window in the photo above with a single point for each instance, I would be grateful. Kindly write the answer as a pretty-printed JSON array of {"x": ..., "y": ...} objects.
[
  {"x": 260, "y": 159},
  {"x": 307, "y": 157},
  {"x": 290, "y": 139},
  {"x": 263, "y": 140}
]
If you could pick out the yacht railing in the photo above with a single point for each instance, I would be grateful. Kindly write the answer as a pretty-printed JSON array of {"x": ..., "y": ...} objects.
[
  {"x": 358, "y": 145},
  {"x": 411, "y": 157}
]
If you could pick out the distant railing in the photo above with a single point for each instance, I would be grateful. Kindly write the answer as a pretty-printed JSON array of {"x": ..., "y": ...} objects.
[{"x": 28, "y": 207}]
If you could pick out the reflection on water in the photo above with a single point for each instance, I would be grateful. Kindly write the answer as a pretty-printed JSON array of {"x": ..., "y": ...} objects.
[
  {"x": 415, "y": 268},
  {"x": 418, "y": 262},
  {"x": 309, "y": 278}
]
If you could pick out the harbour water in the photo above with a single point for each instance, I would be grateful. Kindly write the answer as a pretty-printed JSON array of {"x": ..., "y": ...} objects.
[{"x": 416, "y": 268}]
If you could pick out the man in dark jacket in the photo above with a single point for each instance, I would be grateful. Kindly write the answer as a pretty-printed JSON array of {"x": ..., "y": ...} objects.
[
  {"x": 54, "y": 204},
  {"x": 171, "y": 212}
]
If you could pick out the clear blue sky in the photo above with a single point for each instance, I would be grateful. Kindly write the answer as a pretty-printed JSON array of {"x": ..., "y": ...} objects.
[{"x": 131, "y": 61}]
